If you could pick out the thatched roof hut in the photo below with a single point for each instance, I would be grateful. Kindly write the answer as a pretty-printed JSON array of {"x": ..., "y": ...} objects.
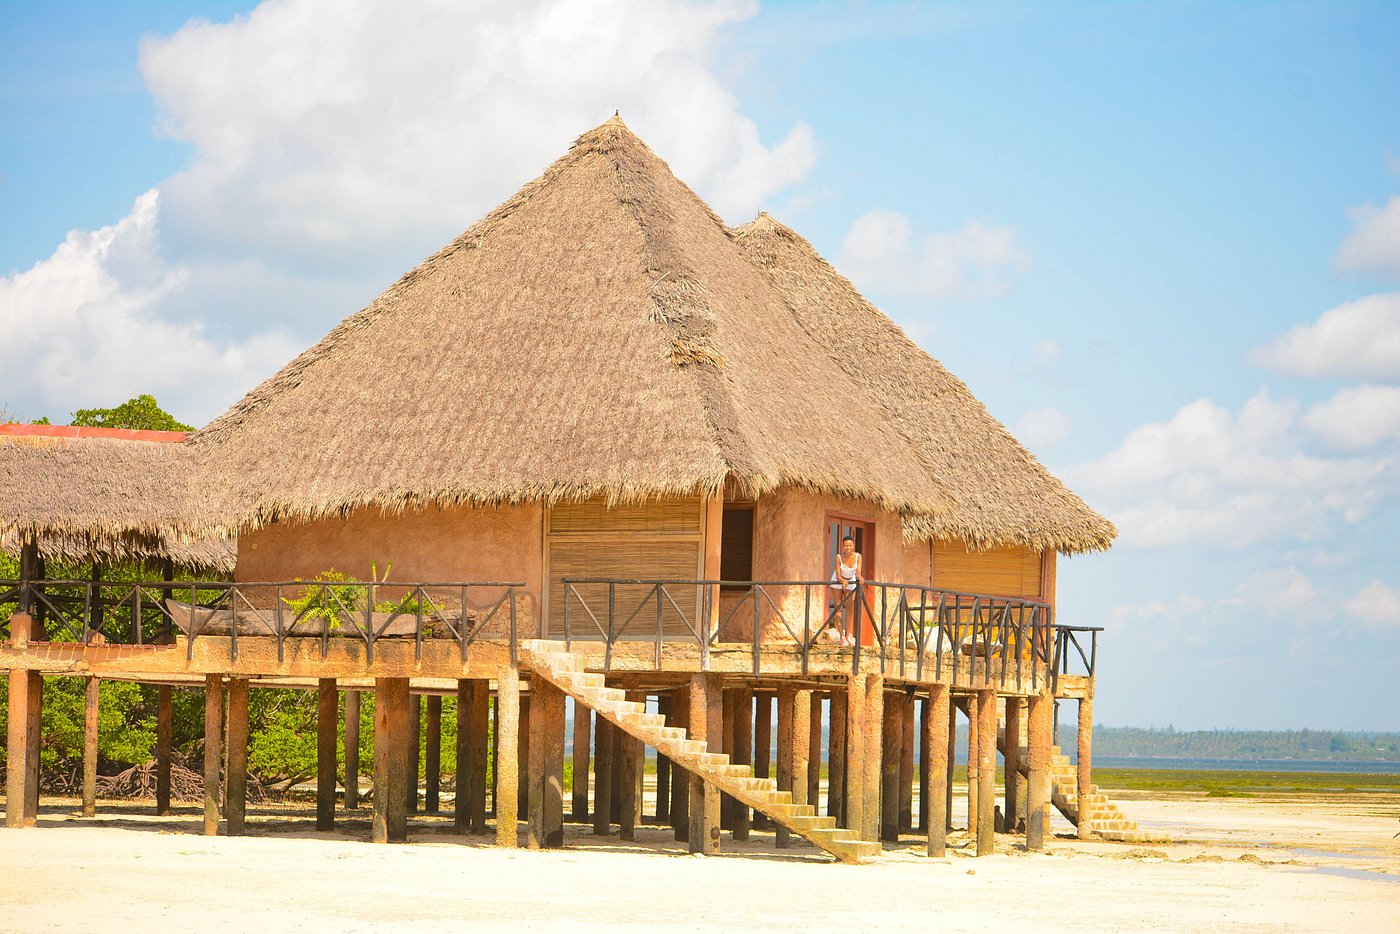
[
  {"x": 103, "y": 494},
  {"x": 603, "y": 333}
]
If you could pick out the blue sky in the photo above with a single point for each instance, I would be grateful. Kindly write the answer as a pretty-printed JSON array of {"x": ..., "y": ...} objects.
[{"x": 1160, "y": 241}]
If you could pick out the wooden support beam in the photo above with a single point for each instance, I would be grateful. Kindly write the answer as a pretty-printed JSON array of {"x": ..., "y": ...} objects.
[
  {"x": 727, "y": 805},
  {"x": 1011, "y": 745},
  {"x": 583, "y": 740},
  {"x": 213, "y": 750},
  {"x": 814, "y": 750},
  {"x": 924, "y": 759},
  {"x": 508, "y": 756},
  {"x": 787, "y": 763},
  {"x": 629, "y": 766},
  {"x": 855, "y": 754},
  {"x": 986, "y": 711},
  {"x": 390, "y": 821},
  {"x": 950, "y": 763},
  {"x": 473, "y": 722},
  {"x": 603, "y": 749},
  {"x": 973, "y": 765},
  {"x": 936, "y": 749},
  {"x": 873, "y": 749},
  {"x": 1084, "y": 764},
  {"x": 892, "y": 725},
  {"x": 906, "y": 762},
  {"x": 801, "y": 744},
  {"x": 164, "y": 722},
  {"x": 762, "y": 746},
  {"x": 352, "y": 750},
  {"x": 706, "y": 723},
  {"x": 413, "y": 750},
  {"x": 663, "y": 767},
  {"x": 327, "y": 720},
  {"x": 22, "y": 734},
  {"x": 743, "y": 753},
  {"x": 1039, "y": 715},
  {"x": 837, "y": 749},
  {"x": 545, "y": 826},
  {"x": 90, "y": 712},
  {"x": 680, "y": 778},
  {"x": 432, "y": 755},
  {"x": 522, "y": 784},
  {"x": 236, "y": 774}
]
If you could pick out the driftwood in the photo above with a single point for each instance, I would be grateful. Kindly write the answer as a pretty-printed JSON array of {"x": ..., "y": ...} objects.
[{"x": 203, "y": 621}]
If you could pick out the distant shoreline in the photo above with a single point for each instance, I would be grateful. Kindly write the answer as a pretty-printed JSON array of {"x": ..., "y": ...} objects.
[{"x": 1181, "y": 763}]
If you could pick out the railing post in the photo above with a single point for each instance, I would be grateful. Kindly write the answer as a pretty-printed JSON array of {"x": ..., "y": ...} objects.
[
  {"x": 612, "y": 621},
  {"x": 660, "y": 627},
  {"x": 757, "y": 591},
  {"x": 568, "y": 624}
]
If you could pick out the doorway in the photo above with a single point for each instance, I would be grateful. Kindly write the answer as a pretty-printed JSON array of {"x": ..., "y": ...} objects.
[{"x": 863, "y": 531}]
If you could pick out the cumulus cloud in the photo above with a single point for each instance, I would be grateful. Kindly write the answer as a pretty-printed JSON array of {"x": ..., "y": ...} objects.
[
  {"x": 882, "y": 253},
  {"x": 1359, "y": 340},
  {"x": 1373, "y": 245},
  {"x": 1211, "y": 477},
  {"x": 83, "y": 327},
  {"x": 1358, "y": 417},
  {"x": 1377, "y": 604},
  {"x": 324, "y": 131},
  {"x": 1042, "y": 429}
]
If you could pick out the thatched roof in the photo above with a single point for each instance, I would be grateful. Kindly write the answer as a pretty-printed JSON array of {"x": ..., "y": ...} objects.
[
  {"x": 602, "y": 332},
  {"x": 107, "y": 494},
  {"x": 997, "y": 492}
]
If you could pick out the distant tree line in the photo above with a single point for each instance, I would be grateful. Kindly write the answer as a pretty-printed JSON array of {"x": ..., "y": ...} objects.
[{"x": 1167, "y": 742}]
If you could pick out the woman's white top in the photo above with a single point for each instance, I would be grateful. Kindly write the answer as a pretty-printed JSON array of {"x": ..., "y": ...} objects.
[{"x": 847, "y": 573}]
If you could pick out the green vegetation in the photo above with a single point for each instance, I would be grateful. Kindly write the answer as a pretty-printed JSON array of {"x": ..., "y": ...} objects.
[
  {"x": 1242, "y": 784},
  {"x": 141, "y": 412},
  {"x": 1315, "y": 745},
  {"x": 328, "y": 602}
]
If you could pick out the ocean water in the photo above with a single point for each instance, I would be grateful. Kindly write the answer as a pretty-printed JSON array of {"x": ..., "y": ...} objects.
[{"x": 1247, "y": 765}]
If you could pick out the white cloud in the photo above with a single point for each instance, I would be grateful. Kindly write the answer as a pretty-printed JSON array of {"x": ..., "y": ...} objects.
[
  {"x": 83, "y": 327},
  {"x": 1283, "y": 592},
  {"x": 1359, "y": 339},
  {"x": 1358, "y": 417},
  {"x": 324, "y": 131},
  {"x": 882, "y": 254},
  {"x": 1210, "y": 477},
  {"x": 1044, "y": 352},
  {"x": 1374, "y": 242},
  {"x": 1377, "y": 604},
  {"x": 1042, "y": 429}
]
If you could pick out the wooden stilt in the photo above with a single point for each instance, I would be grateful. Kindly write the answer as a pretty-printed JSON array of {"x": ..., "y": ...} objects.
[
  {"x": 762, "y": 746},
  {"x": 923, "y": 766},
  {"x": 508, "y": 756},
  {"x": 466, "y": 733},
  {"x": 906, "y": 761},
  {"x": 743, "y": 753},
  {"x": 973, "y": 765},
  {"x": 663, "y": 767},
  {"x": 814, "y": 751},
  {"x": 164, "y": 720},
  {"x": 986, "y": 710},
  {"x": 432, "y": 755},
  {"x": 629, "y": 768},
  {"x": 855, "y": 754},
  {"x": 1085, "y": 758},
  {"x": 936, "y": 748},
  {"x": 213, "y": 750},
  {"x": 22, "y": 731},
  {"x": 478, "y": 751},
  {"x": 352, "y": 750},
  {"x": 837, "y": 748},
  {"x": 583, "y": 739},
  {"x": 1039, "y": 715},
  {"x": 413, "y": 739},
  {"x": 236, "y": 778},
  {"x": 90, "y": 748},
  {"x": 1011, "y": 745},
  {"x": 535, "y": 761},
  {"x": 726, "y": 803},
  {"x": 522, "y": 785},
  {"x": 680, "y": 778},
  {"x": 801, "y": 745},
  {"x": 951, "y": 761},
  {"x": 603, "y": 748},
  {"x": 787, "y": 763},
  {"x": 552, "y": 713},
  {"x": 706, "y": 723},
  {"x": 874, "y": 744},
  {"x": 390, "y": 821},
  {"x": 892, "y": 748},
  {"x": 327, "y": 719}
]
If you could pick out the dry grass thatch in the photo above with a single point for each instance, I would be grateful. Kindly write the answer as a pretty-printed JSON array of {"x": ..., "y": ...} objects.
[
  {"x": 108, "y": 499},
  {"x": 602, "y": 332}
]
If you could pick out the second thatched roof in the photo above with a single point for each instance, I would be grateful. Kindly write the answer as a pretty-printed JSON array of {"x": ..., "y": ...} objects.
[{"x": 603, "y": 333}]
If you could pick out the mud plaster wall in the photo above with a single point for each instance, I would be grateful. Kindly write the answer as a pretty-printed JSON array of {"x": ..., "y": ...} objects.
[{"x": 433, "y": 544}]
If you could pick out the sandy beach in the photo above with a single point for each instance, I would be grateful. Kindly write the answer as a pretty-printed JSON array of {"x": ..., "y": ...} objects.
[{"x": 1287, "y": 864}]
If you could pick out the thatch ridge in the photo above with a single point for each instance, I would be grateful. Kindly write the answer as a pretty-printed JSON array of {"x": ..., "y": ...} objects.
[{"x": 999, "y": 493}]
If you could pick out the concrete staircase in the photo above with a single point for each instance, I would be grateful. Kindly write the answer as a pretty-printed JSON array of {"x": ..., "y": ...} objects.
[{"x": 565, "y": 670}]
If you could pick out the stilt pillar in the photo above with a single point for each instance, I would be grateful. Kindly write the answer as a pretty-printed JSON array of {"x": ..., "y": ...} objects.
[
  {"x": 432, "y": 755},
  {"x": 413, "y": 750},
  {"x": 1011, "y": 752},
  {"x": 164, "y": 722},
  {"x": 391, "y": 723},
  {"x": 893, "y": 747},
  {"x": 787, "y": 759},
  {"x": 727, "y": 805},
  {"x": 630, "y": 762},
  {"x": 706, "y": 723},
  {"x": 508, "y": 756},
  {"x": 236, "y": 775},
  {"x": 546, "y": 767},
  {"x": 327, "y": 719},
  {"x": 1039, "y": 716},
  {"x": 663, "y": 767},
  {"x": 762, "y": 746},
  {"x": 604, "y": 748},
  {"x": 583, "y": 740},
  {"x": 1084, "y": 764},
  {"x": 925, "y": 779},
  {"x": 936, "y": 747},
  {"x": 743, "y": 753},
  {"x": 522, "y": 784},
  {"x": 213, "y": 750},
  {"x": 974, "y": 813},
  {"x": 986, "y": 712},
  {"x": 874, "y": 744},
  {"x": 906, "y": 760},
  {"x": 951, "y": 762},
  {"x": 473, "y": 722},
  {"x": 680, "y": 778},
  {"x": 855, "y": 755},
  {"x": 90, "y": 712},
  {"x": 22, "y": 733},
  {"x": 836, "y": 759},
  {"x": 352, "y": 750},
  {"x": 814, "y": 750}
]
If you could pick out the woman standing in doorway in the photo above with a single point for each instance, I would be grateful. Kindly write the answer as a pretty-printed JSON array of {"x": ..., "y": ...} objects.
[{"x": 847, "y": 577}]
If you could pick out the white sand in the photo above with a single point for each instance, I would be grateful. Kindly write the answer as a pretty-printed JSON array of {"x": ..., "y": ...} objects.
[{"x": 126, "y": 873}]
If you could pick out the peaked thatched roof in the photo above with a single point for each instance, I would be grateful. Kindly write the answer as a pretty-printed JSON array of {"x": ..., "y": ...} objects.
[
  {"x": 602, "y": 332},
  {"x": 104, "y": 494},
  {"x": 997, "y": 492}
]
